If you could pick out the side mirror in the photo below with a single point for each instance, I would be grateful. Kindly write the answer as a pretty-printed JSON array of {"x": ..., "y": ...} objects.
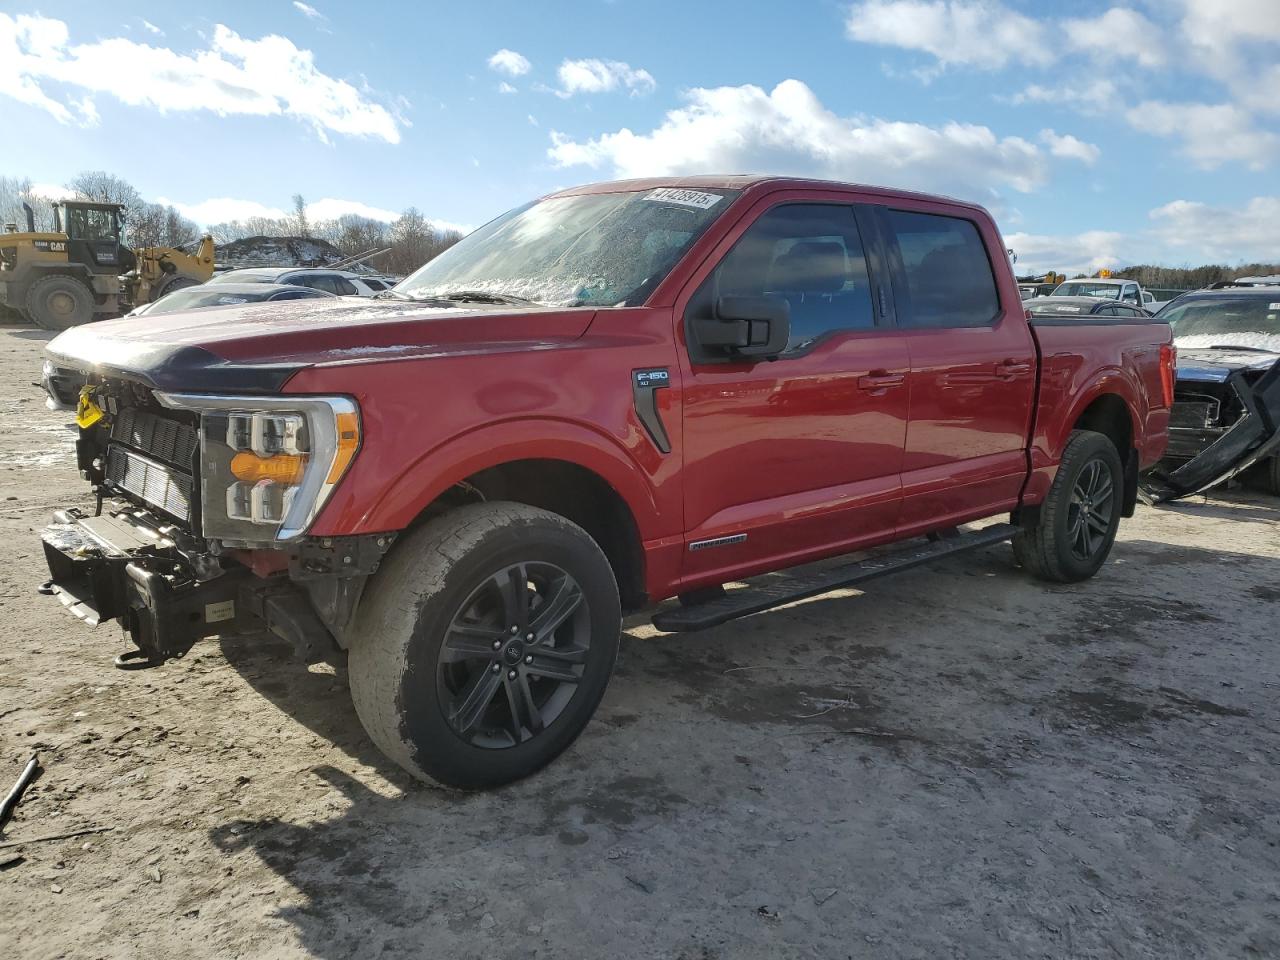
[{"x": 745, "y": 327}]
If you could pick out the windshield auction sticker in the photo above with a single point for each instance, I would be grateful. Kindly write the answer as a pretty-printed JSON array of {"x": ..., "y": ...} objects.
[{"x": 686, "y": 198}]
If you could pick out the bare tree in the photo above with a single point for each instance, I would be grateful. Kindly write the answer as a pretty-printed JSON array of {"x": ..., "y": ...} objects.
[
  {"x": 14, "y": 192},
  {"x": 300, "y": 226}
]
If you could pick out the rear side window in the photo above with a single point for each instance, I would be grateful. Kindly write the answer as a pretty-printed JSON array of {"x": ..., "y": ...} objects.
[
  {"x": 344, "y": 286},
  {"x": 809, "y": 255},
  {"x": 948, "y": 277}
]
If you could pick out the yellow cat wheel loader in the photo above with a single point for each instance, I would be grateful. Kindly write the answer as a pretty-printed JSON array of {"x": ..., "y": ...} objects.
[{"x": 82, "y": 270}]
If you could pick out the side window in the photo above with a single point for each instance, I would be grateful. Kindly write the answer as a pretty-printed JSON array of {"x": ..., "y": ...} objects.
[
  {"x": 809, "y": 255},
  {"x": 322, "y": 281},
  {"x": 345, "y": 287},
  {"x": 948, "y": 277}
]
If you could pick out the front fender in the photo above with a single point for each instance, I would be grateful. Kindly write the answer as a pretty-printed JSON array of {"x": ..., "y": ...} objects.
[{"x": 365, "y": 502}]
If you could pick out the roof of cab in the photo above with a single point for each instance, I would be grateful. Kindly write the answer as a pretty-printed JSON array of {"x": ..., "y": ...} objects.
[{"x": 751, "y": 182}]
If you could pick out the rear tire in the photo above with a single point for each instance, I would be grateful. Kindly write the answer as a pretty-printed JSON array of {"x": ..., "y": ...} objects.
[
  {"x": 1077, "y": 523},
  {"x": 443, "y": 684},
  {"x": 59, "y": 302}
]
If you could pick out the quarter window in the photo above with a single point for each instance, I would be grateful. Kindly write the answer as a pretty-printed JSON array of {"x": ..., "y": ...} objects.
[
  {"x": 948, "y": 277},
  {"x": 809, "y": 255}
]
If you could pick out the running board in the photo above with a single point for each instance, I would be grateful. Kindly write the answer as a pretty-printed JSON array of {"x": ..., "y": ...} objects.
[{"x": 776, "y": 593}]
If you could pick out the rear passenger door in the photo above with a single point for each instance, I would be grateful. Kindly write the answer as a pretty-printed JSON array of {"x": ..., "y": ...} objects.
[
  {"x": 973, "y": 363},
  {"x": 789, "y": 458}
]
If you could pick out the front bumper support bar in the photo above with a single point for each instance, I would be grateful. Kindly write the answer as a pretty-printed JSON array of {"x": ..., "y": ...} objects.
[{"x": 118, "y": 567}]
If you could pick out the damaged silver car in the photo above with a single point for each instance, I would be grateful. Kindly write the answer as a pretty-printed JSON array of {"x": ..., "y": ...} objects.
[{"x": 1225, "y": 419}]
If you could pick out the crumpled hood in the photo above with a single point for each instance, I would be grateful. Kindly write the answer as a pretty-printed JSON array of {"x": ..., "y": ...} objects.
[
  {"x": 257, "y": 347},
  {"x": 1208, "y": 357}
]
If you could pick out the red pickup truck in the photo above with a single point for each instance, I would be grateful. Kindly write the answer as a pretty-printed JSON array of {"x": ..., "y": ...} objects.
[{"x": 616, "y": 395}]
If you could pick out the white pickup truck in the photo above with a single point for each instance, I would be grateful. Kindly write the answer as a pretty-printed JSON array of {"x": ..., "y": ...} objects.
[{"x": 1126, "y": 291}]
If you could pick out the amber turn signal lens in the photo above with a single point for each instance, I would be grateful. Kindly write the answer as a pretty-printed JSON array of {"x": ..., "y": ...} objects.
[
  {"x": 348, "y": 444},
  {"x": 280, "y": 468}
]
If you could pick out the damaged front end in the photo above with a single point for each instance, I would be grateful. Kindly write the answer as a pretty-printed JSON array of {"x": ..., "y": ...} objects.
[
  {"x": 1224, "y": 420},
  {"x": 199, "y": 531}
]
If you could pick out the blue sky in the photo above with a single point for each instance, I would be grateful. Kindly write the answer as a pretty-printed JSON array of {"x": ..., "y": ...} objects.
[{"x": 1097, "y": 132}]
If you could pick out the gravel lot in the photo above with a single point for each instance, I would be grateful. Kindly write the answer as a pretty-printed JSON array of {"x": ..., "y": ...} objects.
[{"x": 957, "y": 763}]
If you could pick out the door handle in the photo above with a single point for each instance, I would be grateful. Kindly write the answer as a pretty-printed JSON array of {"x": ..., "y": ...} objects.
[
  {"x": 881, "y": 380},
  {"x": 1012, "y": 369}
]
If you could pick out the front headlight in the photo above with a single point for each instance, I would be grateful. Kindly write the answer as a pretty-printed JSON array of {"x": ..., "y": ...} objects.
[{"x": 268, "y": 464}]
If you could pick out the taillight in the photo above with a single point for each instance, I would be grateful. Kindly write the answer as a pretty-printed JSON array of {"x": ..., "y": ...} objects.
[{"x": 1168, "y": 371}]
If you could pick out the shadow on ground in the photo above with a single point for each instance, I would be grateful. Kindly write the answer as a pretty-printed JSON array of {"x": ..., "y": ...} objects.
[{"x": 957, "y": 762}]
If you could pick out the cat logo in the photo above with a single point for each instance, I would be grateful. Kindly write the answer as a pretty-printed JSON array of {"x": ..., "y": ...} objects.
[{"x": 53, "y": 246}]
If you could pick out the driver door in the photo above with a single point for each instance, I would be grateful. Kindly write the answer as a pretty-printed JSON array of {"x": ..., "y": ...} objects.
[{"x": 790, "y": 459}]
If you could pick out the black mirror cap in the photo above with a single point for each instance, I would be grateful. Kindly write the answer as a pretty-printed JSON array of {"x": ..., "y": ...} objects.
[{"x": 766, "y": 322}]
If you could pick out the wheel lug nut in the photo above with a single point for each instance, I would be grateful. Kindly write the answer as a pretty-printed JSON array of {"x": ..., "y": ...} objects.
[
  {"x": 529, "y": 659},
  {"x": 497, "y": 644},
  {"x": 511, "y": 674},
  {"x": 515, "y": 630},
  {"x": 496, "y": 668}
]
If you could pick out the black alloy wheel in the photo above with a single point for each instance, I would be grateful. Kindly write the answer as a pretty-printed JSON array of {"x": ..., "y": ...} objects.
[
  {"x": 1089, "y": 513},
  {"x": 513, "y": 655}
]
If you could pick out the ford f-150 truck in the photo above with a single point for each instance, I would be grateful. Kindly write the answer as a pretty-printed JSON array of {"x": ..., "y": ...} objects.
[{"x": 616, "y": 395}]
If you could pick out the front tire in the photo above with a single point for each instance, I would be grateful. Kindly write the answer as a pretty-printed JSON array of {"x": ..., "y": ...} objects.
[
  {"x": 59, "y": 302},
  {"x": 440, "y": 679},
  {"x": 1073, "y": 533}
]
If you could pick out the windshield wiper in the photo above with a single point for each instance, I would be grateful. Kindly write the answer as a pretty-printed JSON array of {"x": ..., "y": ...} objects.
[{"x": 481, "y": 296}]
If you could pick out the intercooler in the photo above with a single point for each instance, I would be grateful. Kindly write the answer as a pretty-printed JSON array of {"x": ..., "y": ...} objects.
[{"x": 151, "y": 459}]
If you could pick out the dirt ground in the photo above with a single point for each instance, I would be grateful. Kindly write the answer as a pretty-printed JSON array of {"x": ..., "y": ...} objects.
[{"x": 958, "y": 762}]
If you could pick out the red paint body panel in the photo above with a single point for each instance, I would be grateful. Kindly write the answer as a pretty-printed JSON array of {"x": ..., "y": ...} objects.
[
  {"x": 795, "y": 454},
  {"x": 1080, "y": 363}
]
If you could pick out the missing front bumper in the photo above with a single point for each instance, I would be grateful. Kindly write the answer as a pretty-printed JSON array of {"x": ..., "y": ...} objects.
[
  {"x": 117, "y": 567},
  {"x": 124, "y": 567}
]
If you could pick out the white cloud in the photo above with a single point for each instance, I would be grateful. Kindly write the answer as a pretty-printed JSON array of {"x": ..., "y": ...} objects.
[
  {"x": 330, "y": 209},
  {"x": 233, "y": 75},
  {"x": 223, "y": 209},
  {"x": 602, "y": 76},
  {"x": 1093, "y": 95},
  {"x": 789, "y": 131},
  {"x": 52, "y": 191},
  {"x": 1220, "y": 26},
  {"x": 308, "y": 11},
  {"x": 1181, "y": 232},
  {"x": 977, "y": 33},
  {"x": 505, "y": 87},
  {"x": 1211, "y": 234},
  {"x": 1125, "y": 33},
  {"x": 1068, "y": 147},
  {"x": 1086, "y": 252},
  {"x": 1211, "y": 134},
  {"x": 152, "y": 28},
  {"x": 509, "y": 62}
]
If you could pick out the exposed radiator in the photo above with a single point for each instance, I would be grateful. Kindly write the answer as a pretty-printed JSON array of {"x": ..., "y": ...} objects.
[{"x": 150, "y": 458}]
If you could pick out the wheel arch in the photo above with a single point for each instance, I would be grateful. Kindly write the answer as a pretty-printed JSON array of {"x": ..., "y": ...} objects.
[
  {"x": 1110, "y": 414},
  {"x": 558, "y": 466}
]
